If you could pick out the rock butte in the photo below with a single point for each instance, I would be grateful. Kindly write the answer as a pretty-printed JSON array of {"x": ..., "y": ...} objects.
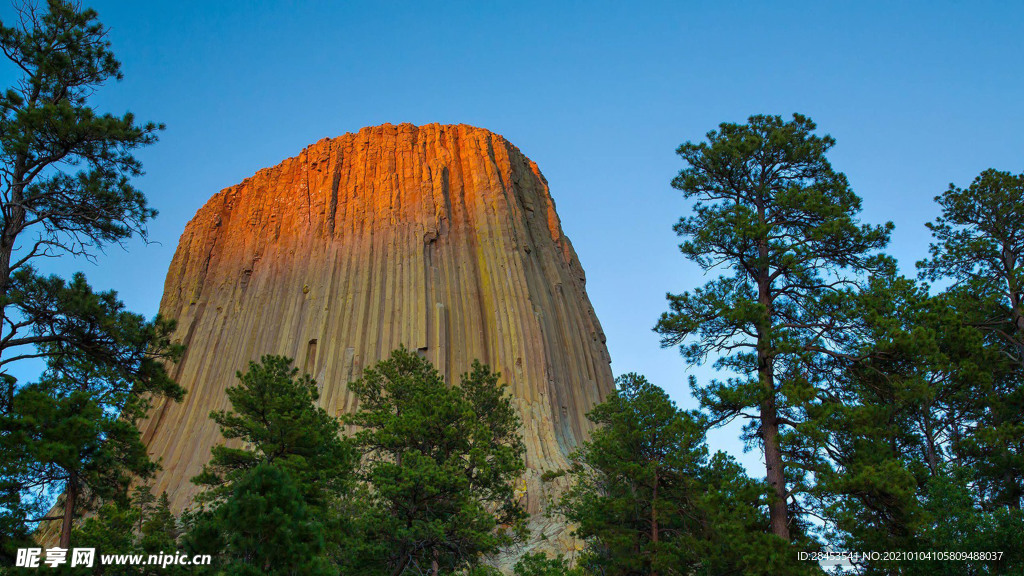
[{"x": 443, "y": 239}]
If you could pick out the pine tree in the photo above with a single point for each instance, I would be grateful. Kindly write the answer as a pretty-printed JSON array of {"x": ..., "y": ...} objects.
[
  {"x": 894, "y": 429},
  {"x": 76, "y": 428},
  {"x": 772, "y": 213},
  {"x": 275, "y": 416},
  {"x": 279, "y": 500},
  {"x": 647, "y": 500},
  {"x": 111, "y": 529},
  {"x": 66, "y": 186},
  {"x": 885, "y": 424},
  {"x": 439, "y": 466},
  {"x": 66, "y": 189},
  {"x": 538, "y": 564},
  {"x": 641, "y": 464},
  {"x": 158, "y": 531},
  {"x": 142, "y": 526},
  {"x": 980, "y": 248},
  {"x": 268, "y": 528}
]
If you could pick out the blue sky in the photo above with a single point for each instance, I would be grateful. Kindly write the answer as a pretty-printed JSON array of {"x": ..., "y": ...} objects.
[{"x": 917, "y": 95}]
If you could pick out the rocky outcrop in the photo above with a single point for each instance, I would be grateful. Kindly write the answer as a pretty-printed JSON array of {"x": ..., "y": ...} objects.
[{"x": 443, "y": 239}]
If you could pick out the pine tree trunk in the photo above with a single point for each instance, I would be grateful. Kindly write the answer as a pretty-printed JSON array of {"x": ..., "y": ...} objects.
[
  {"x": 654, "y": 521},
  {"x": 776, "y": 473},
  {"x": 13, "y": 222},
  {"x": 1013, "y": 493},
  {"x": 401, "y": 566},
  {"x": 70, "y": 497},
  {"x": 1016, "y": 314},
  {"x": 775, "y": 470}
]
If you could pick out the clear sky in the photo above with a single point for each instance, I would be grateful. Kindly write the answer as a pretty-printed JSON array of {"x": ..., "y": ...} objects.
[{"x": 917, "y": 95}]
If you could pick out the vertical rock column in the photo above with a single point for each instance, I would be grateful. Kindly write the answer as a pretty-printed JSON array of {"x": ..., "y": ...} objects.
[{"x": 443, "y": 239}]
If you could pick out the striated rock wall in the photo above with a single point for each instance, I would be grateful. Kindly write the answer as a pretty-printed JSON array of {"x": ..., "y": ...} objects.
[{"x": 441, "y": 238}]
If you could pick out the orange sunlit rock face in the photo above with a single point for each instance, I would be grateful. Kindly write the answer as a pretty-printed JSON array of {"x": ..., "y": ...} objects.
[{"x": 440, "y": 238}]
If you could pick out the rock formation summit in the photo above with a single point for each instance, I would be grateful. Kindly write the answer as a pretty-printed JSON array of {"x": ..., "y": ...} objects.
[{"x": 443, "y": 239}]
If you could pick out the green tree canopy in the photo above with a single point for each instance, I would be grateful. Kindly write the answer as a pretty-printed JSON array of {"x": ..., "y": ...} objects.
[
  {"x": 647, "y": 500},
  {"x": 896, "y": 430},
  {"x": 66, "y": 172},
  {"x": 76, "y": 428},
  {"x": 980, "y": 247},
  {"x": 636, "y": 481},
  {"x": 144, "y": 525},
  {"x": 439, "y": 465},
  {"x": 275, "y": 418},
  {"x": 66, "y": 188},
  {"x": 272, "y": 505},
  {"x": 538, "y": 564},
  {"x": 267, "y": 527}
]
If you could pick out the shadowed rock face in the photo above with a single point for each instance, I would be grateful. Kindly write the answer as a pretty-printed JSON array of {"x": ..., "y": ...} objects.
[{"x": 440, "y": 238}]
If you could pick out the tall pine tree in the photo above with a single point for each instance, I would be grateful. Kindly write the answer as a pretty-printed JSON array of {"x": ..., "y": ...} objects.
[
  {"x": 894, "y": 435},
  {"x": 979, "y": 246},
  {"x": 67, "y": 170},
  {"x": 66, "y": 188},
  {"x": 773, "y": 215}
]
